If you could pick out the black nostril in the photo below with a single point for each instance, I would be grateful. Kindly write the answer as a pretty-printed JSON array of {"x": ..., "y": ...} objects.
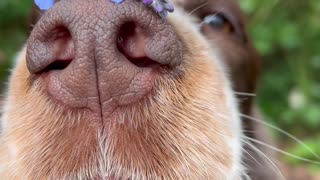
[
  {"x": 143, "y": 62},
  {"x": 62, "y": 48},
  {"x": 57, "y": 65},
  {"x": 61, "y": 33},
  {"x": 126, "y": 30},
  {"x": 131, "y": 43},
  {"x": 51, "y": 50}
]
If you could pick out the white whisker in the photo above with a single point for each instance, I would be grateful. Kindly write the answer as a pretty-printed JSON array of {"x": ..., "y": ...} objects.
[
  {"x": 282, "y": 152},
  {"x": 259, "y": 153},
  {"x": 283, "y": 132},
  {"x": 274, "y": 166},
  {"x": 252, "y": 157},
  {"x": 199, "y": 7},
  {"x": 245, "y": 94}
]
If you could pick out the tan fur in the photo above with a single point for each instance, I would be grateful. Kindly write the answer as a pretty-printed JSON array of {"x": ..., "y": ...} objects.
[{"x": 183, "y": 130}]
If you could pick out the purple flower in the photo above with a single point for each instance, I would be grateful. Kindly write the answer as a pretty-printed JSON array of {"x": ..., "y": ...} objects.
[
  {"x": 162, "y": 7},
  {"x": 44, "y": 4},
  {"x": 159, "y": 8},
  {"x": 117, "y": 1},
  {"x": 169, "y": 6},
  {"x": 147, "y": 2}
]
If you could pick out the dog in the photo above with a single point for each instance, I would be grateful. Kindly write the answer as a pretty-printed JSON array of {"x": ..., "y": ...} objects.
[{"x": 113, "y": 91}]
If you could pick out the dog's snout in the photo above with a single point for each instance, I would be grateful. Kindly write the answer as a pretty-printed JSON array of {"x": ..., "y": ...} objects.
[{"x": 116, "y": 48}]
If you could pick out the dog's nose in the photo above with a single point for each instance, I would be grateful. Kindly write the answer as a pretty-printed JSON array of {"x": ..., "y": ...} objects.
[{"x": 89, "y": 49}]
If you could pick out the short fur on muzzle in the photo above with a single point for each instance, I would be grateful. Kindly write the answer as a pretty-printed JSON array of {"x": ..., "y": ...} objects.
[{"x": 185, "y": 126}]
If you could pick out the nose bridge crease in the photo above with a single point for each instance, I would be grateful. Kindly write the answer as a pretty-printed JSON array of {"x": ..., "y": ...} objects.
[{"x": 98, "y": 87}]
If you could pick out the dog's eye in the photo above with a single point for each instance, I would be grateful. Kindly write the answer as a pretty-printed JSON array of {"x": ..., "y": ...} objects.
[{"x": 218, "y": 22}]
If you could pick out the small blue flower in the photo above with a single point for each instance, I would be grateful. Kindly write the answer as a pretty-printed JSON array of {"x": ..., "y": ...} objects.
[
  {"x": 44, "y": 4},
  {"x": 117, "y": 1}
]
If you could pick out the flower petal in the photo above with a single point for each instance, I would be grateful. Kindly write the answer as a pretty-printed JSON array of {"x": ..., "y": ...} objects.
[
  {"x": 44, "y": 4},
  {"x": 147, "y": 2},
  {"x": 117, "y": 1}
]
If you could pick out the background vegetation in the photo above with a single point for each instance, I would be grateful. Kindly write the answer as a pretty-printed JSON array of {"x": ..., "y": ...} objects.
[{"x": 287, "y": 34}]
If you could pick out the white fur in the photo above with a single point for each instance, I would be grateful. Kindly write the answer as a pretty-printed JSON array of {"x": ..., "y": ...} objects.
[
  {"x": 6, "y": 104},
  {"x": 235, "y": 142}
]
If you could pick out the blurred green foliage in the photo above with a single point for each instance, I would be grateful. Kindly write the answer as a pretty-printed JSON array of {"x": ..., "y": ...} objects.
[
  {"x": 13, "y": 27},
  {"x": 287, "y": 34}
]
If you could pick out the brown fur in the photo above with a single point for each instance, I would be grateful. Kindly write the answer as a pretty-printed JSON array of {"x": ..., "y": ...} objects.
[
  {"x": 59, "y": 143},
  {"x": 180, "y": 131}
]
